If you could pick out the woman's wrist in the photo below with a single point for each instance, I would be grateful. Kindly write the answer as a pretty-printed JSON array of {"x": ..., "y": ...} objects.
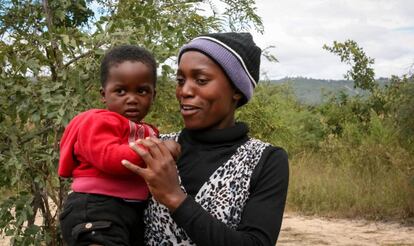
[{"x": 174, "y": 201}]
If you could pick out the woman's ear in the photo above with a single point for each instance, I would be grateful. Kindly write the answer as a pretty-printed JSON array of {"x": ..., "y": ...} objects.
[
  {"x": 102, "y": 92},
  {"x": 237, "y": 96}
]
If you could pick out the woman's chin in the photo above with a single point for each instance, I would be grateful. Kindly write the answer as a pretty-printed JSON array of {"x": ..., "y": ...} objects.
[
  {"x": 191, "y": 126},
  {"x": 194, "y": 125}
]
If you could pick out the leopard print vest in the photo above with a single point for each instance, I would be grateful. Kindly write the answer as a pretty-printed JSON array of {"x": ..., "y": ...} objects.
[{"x": 224, "y": 196}]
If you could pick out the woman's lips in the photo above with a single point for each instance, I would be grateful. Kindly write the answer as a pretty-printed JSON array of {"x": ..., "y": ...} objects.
[{"x": 188, "y": 110}]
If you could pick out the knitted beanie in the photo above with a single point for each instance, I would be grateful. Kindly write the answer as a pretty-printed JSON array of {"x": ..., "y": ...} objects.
[{"x": 237, "y": 55}]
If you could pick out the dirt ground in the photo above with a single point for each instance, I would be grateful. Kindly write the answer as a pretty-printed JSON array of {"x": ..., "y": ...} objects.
[{"x": 302, "y": 230}]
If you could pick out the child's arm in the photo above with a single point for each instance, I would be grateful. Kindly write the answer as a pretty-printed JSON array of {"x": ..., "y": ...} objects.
[{"x": 100, "y": 143}]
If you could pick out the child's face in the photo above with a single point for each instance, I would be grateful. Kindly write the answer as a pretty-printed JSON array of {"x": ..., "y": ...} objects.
[{"x": 129, "y": 90}]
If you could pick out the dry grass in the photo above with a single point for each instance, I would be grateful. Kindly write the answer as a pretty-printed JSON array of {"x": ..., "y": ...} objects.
[{"x": 350, "y": 183}]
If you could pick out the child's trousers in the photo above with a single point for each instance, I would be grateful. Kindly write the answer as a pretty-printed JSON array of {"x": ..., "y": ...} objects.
[{"x": 97, "y": 219}]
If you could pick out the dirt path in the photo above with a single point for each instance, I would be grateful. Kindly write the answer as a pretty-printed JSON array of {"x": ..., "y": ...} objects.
[{"x": 301, "y": 230}]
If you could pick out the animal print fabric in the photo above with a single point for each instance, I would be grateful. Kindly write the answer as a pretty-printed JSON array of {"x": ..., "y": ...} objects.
[{"x": 224, "y": 196}]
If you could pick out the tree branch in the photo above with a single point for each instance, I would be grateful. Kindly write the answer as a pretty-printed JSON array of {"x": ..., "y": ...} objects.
[
  {"x": 50, "y": 27},
  {"x": 35, "y": 134},
  {"x": 78, "y": 58}
]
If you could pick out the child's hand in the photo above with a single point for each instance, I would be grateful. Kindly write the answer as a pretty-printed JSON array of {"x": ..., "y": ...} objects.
[{"x": 174, "y": 148}]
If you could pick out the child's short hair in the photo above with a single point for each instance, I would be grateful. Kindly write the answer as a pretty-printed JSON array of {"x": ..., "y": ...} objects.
[{"x": 123, "y": 53}]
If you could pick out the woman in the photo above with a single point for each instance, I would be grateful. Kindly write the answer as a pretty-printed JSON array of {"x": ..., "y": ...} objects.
[{"x": 231, "y": 189}]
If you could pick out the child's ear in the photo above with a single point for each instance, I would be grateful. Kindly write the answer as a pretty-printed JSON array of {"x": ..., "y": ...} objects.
[
  {"x": 153, "y": 95},
  {"x": 102, "y": 92}
]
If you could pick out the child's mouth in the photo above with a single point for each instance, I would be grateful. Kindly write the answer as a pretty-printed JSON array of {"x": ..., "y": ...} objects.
[{"x": 131, "y": 114}]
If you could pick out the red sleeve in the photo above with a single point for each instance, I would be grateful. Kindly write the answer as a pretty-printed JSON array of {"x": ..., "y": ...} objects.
[{"x": 103, "y": 142}]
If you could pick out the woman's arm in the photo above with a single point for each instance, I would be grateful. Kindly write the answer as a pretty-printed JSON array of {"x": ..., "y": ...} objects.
[{"x": 262, "y": 215}]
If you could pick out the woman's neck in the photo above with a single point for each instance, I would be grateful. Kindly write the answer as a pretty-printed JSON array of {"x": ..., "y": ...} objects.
[{"x": 211, "y": 136}]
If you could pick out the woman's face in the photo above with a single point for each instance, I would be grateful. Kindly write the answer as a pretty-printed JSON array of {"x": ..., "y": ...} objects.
[{"x": 206, "y": 97}]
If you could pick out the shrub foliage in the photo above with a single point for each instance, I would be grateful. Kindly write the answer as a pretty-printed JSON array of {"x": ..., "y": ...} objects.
[{"x": 49, "y": 55}]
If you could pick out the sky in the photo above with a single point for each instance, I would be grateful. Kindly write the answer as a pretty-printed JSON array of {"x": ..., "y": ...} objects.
[{"x": 299, "y": 28}]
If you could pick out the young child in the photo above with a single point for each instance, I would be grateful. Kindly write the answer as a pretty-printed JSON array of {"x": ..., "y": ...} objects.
[{"x": 107, "y": 202}]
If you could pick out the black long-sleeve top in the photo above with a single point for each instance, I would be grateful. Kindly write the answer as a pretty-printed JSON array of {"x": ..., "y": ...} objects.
[{"x": 202, "y": 153}]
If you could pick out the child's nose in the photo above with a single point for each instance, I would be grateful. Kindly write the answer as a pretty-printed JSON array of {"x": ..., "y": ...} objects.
[{"x": 132, "y": 98}]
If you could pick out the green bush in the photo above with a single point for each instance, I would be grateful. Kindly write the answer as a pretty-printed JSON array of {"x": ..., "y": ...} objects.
[
  {"x": 274, "y": 115},
  {"x": 364, "y": 166},
  {"x": 49, "y": 56}
]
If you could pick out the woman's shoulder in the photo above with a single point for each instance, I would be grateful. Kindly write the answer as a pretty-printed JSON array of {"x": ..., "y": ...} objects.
[
  {"x": 257, "y": 142},
  {"x": 271, "y": 154},
  {"x": 269, "y": 145},
  {"x": 267, "y": 154},
  {"x": 272, "y": 168},
  {"x": 272, "y": 149}
]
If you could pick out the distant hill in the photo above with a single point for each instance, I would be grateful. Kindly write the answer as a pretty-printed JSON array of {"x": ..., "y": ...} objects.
[{"x": 312, "y": 91}]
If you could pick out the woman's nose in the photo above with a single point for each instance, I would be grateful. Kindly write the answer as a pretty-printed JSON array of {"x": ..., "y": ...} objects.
[{"x": 187, "y": 89}]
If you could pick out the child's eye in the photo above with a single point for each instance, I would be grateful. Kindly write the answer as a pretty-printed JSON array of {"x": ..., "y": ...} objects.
[
  {"x": 142, "y": 91},
  {"x": 120, "y": 92}
]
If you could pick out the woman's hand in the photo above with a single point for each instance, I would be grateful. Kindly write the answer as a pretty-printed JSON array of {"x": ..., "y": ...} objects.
[{"x": 161, "y": 172}]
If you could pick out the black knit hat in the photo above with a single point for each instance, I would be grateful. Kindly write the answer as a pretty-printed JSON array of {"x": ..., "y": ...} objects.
[
  {"x": 245, "y": 47},
  {"x": 236, "y": 53}
]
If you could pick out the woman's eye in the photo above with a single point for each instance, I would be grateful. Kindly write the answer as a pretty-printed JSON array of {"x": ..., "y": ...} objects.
[
  {"x": 201, "y": 81},
  {"x": 180, "y": 80}
]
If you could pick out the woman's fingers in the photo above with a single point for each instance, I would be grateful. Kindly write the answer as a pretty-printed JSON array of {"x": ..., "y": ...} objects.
[
  {"x": 173, "y": 147},
  {"x": 161, "y": 172},
  {"x": 134, "y": 168},
  {"x": 161, "y": 146},
  {"x": 145, "y": 154},
  {"x": 152, "y": 147}
]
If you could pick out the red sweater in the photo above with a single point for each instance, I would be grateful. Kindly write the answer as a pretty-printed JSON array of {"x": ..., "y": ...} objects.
[{"x": 91, "y": 150}]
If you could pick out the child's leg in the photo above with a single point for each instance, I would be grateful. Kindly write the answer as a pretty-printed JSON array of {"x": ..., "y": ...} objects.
[
  {"x": 137, "y": 224},
  {"x": 96, "y": 219}
]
